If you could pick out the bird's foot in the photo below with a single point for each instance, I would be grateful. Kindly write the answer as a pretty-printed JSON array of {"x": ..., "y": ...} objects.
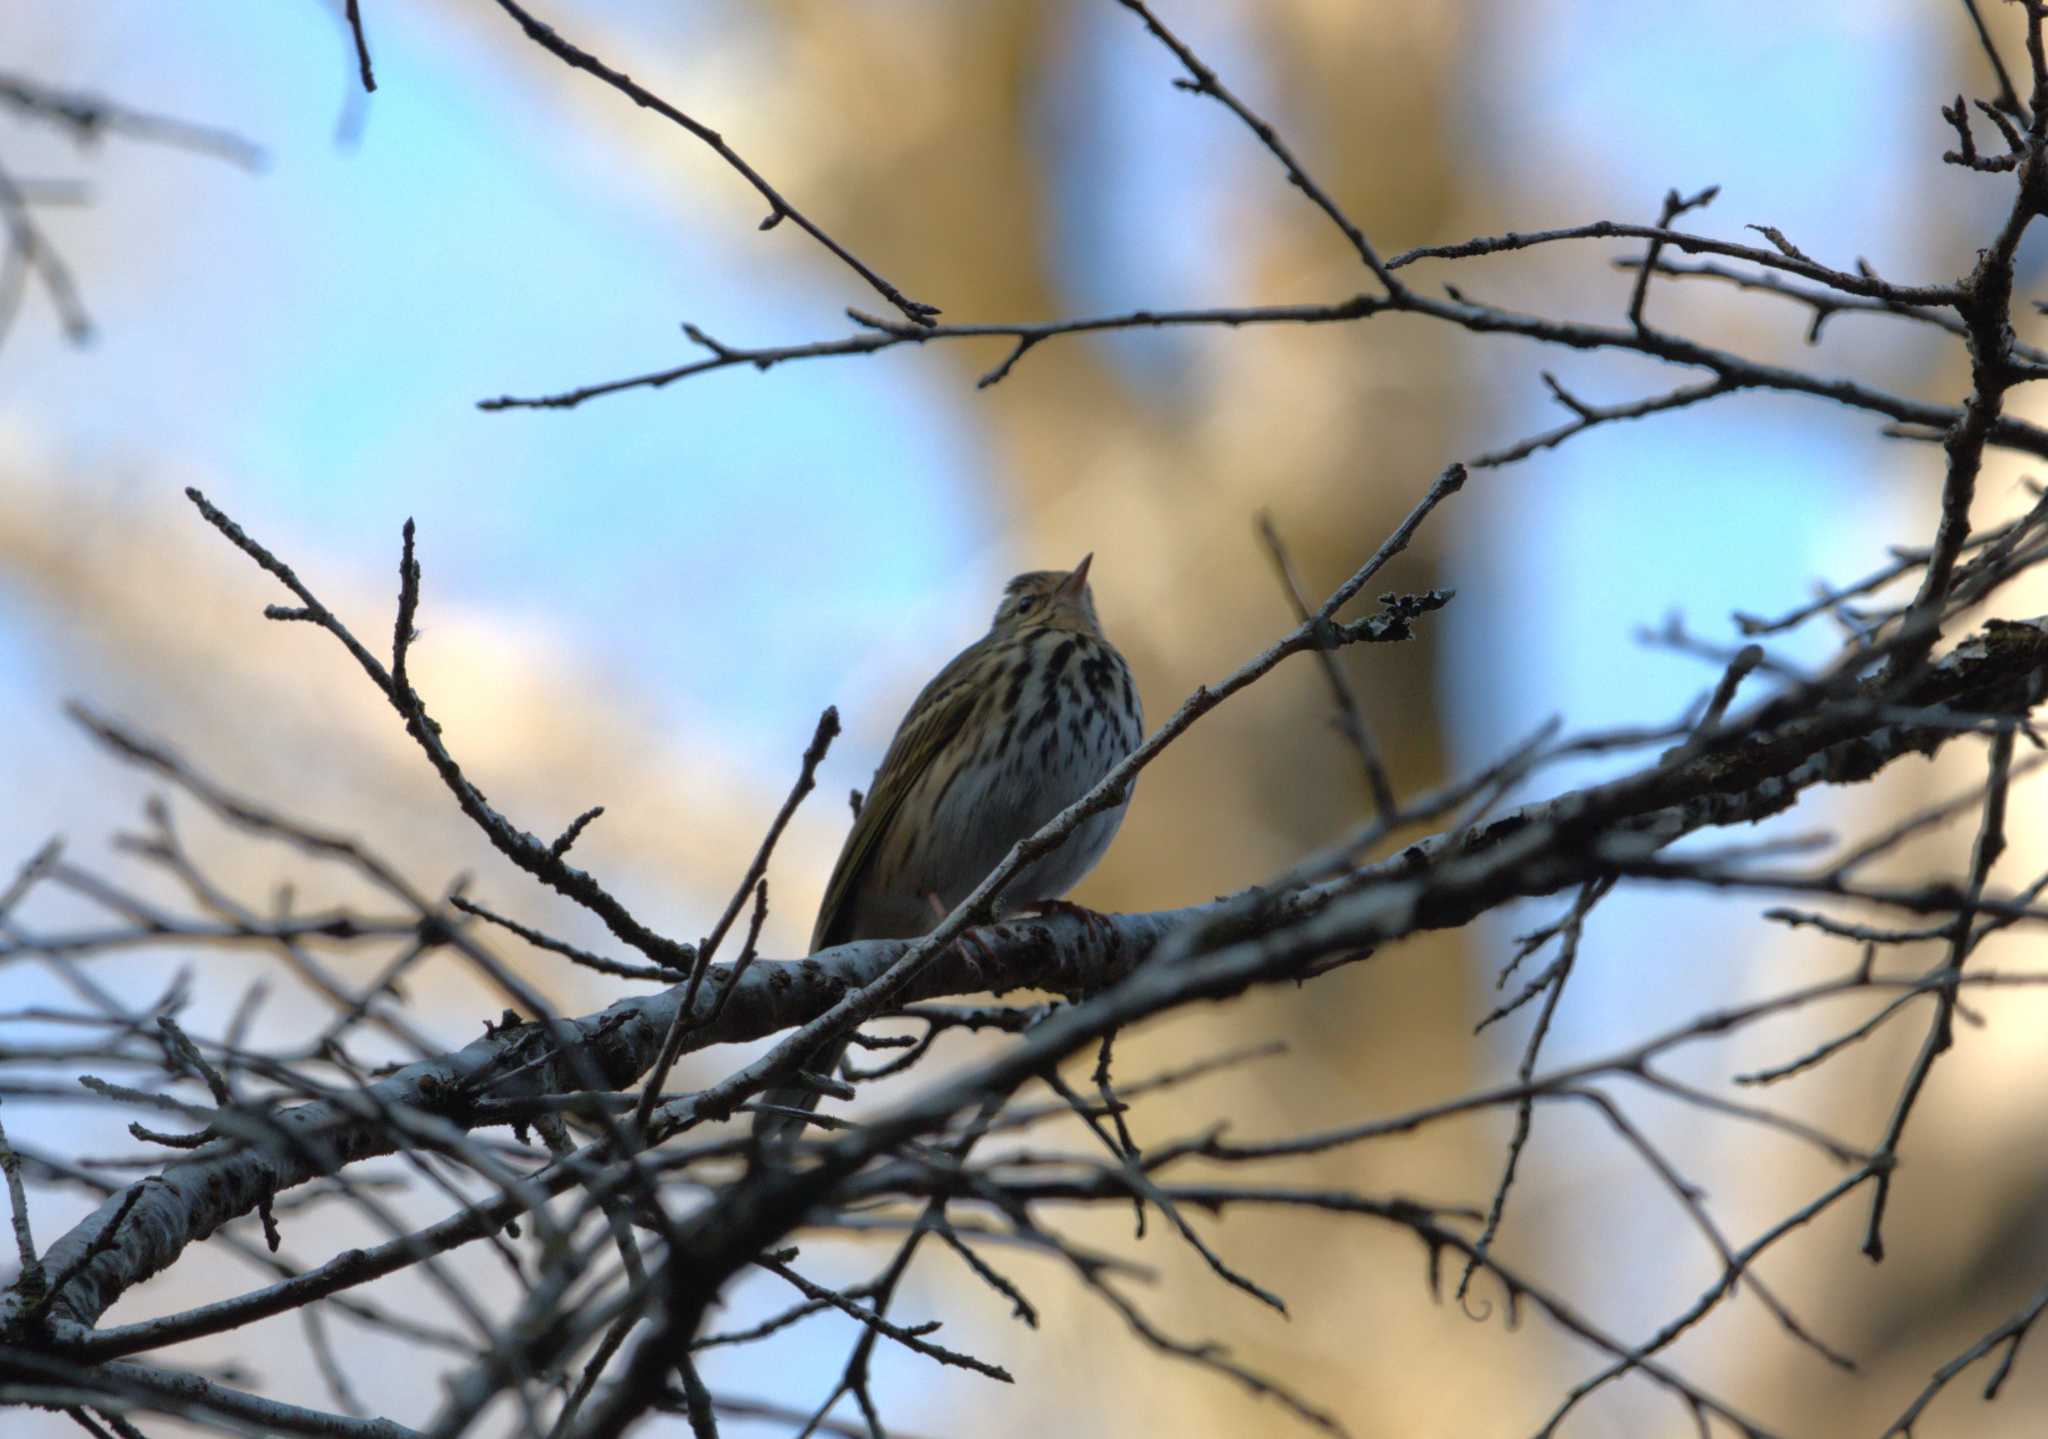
[
  {"x": 970, "y": 944},
  {"x": 1093, "y": 920}
]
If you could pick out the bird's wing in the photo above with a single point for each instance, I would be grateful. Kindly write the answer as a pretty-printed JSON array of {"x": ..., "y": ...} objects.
[{"x": 935, "y": 719}]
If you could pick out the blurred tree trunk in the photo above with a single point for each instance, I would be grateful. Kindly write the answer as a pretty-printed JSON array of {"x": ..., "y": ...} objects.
[{"x": 1337, "y": 433}]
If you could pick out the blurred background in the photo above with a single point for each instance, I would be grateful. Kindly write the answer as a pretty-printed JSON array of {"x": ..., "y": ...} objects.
[{"x": 645, "y": 602}]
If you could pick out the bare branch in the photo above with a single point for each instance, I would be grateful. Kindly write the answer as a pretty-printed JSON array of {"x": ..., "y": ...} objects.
[
  {"x": 522, "y": 848},
  {"x": 1940, "y": 1034},
  {"x": 779, "y": 209},
  {"x": 1203, "y": 81},
  {"x": 88, "y": 117},
  {"x": 354, "y": 15},
  {"x": 2008, "y": 1334}
]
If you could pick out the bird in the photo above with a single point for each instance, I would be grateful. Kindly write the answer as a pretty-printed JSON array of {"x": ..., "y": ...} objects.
[{"x": 1015, "y": 728}]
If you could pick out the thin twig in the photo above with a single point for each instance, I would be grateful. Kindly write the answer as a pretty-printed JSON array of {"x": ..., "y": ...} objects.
[
  {"x": 779, "y": 208},
  {"x": 806, "y": 780},
  {"x": 1203, "y": 81},
  {"x": 1940, "y": 1033},
  {"x": 1350, "y": 719},
  {"x": 355, "y": 29}
]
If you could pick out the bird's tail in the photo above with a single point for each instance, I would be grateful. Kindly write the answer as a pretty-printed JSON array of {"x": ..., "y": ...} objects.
[{"x": 775, "y": 1129}]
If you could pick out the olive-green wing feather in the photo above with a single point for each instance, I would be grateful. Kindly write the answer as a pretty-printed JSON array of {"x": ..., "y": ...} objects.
[
  {"x": 940, "y": 711},
  {"x": 936, "y": 717}
]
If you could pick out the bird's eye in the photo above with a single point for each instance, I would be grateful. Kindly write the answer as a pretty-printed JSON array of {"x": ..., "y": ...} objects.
[{"x": 1026, "y": 604}]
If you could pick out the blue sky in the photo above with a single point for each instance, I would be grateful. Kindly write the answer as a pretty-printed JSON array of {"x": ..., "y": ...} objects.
[
  {"x": 481, "y": 237},
  {"x": 1812, "y": 119},
  {"x": 1820, "y": 120},
  {"x": 473, "y": 243}
]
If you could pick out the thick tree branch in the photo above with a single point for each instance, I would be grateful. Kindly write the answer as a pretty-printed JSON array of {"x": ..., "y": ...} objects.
[{"x": 1444, "y": 881}]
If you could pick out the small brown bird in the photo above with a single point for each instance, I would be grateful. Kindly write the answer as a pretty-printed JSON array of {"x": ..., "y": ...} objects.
[{"x": 1022, "y": 723}]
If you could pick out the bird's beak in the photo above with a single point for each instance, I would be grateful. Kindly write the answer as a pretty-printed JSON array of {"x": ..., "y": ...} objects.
[{"x": 1076, "y": 581}]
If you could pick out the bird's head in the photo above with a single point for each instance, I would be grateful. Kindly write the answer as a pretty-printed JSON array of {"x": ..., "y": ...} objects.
[{"x": 1049, "y": 599}]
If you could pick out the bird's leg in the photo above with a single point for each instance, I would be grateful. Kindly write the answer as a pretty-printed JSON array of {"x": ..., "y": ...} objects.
[
  {"x": 969, "y": 943},
  {"x": 1093, "y": 920}
]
